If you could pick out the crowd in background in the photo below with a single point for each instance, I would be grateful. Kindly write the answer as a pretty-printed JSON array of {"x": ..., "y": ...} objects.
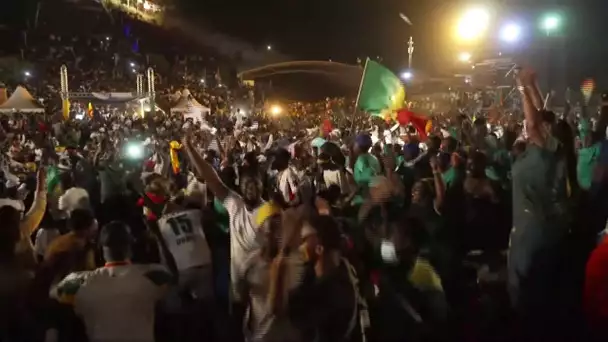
[{"x": 319, "y": 223}]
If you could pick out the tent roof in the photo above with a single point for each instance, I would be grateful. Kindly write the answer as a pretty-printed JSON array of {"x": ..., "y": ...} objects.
[
  {"x": 21, "y": 100},
  {"x": 186, "y": 102}
]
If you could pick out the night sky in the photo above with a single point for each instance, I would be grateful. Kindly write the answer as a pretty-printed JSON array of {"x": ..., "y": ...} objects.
[
  {"x": 343, "y": 30},
  {"x": 346, "y": 29}
]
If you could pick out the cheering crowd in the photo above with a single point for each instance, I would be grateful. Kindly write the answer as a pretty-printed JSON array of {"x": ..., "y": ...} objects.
[
  {"x": 321, "y": 224},
  {"x": 159, "y": 228}
]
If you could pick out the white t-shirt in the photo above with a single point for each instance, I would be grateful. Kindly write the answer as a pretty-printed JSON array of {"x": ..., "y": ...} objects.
[
  {"x": 336, "y": 177},
  {"x": 116, "y": 303},
  {"x": 287, "y": 181},
  {"x": 243, "y": 233},
  {"x": 185, "y": 238}
]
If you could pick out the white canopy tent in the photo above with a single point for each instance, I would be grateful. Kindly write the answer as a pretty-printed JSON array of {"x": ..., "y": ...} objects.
[
  {"x": 189, "y": 107},
  {"x": 21, "y": 101}
]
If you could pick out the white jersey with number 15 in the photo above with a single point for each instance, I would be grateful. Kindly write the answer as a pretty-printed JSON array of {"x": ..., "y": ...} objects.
[{"x": 185, "y": 238}]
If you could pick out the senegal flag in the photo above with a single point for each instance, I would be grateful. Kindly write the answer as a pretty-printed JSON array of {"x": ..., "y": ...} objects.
[{"x": 381, "y": 92}]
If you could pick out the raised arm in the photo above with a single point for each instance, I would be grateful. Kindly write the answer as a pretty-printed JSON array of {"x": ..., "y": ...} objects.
[
  {"x": 205, "y": 170},
  {"x": 34, "y": 216},
  {"x": 526, "y": 82}
]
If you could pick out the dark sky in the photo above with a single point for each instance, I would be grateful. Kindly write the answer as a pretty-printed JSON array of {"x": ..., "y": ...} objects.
[
  {"x": 346, "y": 29},
  {"x": 320, "y": 29}
]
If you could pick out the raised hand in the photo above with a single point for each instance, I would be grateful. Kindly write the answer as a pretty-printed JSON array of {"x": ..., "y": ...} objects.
[{"x": 526, "y": 76}]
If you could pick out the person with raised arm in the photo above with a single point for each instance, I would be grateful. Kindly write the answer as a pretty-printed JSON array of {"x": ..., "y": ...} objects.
[
  {"x": 242, "y": 210},
  {"x": 540, "y": 217}
]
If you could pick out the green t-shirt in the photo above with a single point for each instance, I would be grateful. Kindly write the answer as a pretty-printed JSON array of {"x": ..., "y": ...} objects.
[
  {"x": 399, "y": 159},
  {"x": 540, "y": 202},
  {"x": 451, "y": 176},
  {"x": 492, "y": 174},
  {"x": 587, "y": 158},
  {"x": 366, "y": 168}
]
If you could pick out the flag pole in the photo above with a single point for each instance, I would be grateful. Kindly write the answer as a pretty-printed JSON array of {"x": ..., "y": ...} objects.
[
  {"x": 352, "y": 125},
  {"x": 361, "y": 83}
]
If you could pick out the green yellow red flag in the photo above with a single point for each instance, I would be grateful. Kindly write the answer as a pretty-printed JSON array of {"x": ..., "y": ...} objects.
[{"x": 381, "y": 92}]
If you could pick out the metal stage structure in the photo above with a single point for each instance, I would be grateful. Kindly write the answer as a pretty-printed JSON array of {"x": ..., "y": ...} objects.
[{"x": 140, "y": 94}]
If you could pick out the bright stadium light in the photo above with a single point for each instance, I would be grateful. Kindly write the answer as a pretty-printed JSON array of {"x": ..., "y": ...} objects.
[
  {"x": 407, "y": 75},
  {"x": 510, "y": 33},
  {"x": 132, "y": 65},
  {"x": 268, "y": 47},
  {"x": 276, "y": 110},
  {"x": 473, "y": 24},
  {"x": 465, "y": 57},
  {"x": 551, "y": 23},
  {"x": 27, "y": 74}
]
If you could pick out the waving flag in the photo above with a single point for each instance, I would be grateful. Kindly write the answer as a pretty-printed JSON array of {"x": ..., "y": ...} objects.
[
  {"x": 421, "y": 123},
  {"x": 90, "y": 110},
  {"x": 381, "y": 92}
]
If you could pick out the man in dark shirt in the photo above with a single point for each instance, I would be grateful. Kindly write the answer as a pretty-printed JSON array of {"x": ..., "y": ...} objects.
[{"x": 327, "y": 303}]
